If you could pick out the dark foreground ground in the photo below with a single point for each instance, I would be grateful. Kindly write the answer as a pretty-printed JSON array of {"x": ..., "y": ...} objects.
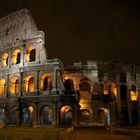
[
  {"x": 100, "y": 134},
  {"x": 26, "y": 133}
]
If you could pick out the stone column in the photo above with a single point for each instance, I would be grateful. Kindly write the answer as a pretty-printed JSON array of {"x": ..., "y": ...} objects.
[
  {"x": 54, "y": 84},
  {"x": 54, "y": 115},
  {"x": 36, "y": 82}
]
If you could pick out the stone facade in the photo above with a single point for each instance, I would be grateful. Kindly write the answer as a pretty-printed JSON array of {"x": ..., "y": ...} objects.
[{"x": 36, "y": 91}]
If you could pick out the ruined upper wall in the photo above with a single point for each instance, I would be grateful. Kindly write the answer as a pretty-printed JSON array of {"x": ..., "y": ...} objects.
[{"x": 15, "y": 27}]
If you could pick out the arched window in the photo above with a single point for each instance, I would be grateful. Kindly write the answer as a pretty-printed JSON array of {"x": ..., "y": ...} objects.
[
  {"x": 28, "y": 83},
  {"x": 16, "y": 57},
  {"x": 45, "y": 82},
  {"x": 66, "y": 115},
  {"x": 5, "y": 59},
  {"x": 2, "y": 86},
  {"x": 30, "y": 54},
  {"x": 14, "y": 85},
  {"x": 69, "y": 84},
  {"x": 46, "y": 116},
  {"x": 133, "y": 93},
  {"x": 27, "y": 113},
  {"x": 123, "y": 92},
  {"x": 85, "y": 85},
  {"x": 104, "y": 115}
]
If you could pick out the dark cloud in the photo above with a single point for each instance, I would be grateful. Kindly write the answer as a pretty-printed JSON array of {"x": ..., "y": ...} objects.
[{"x": 77, "y": 30}]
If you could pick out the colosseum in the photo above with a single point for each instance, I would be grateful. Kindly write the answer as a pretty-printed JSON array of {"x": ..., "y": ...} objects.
[{"x": 37, "y": 91}]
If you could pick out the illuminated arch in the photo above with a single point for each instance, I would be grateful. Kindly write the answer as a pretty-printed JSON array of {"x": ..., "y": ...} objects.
[
  {"x": 2, "y": 86},
  {"x": 28, "y": 83},
  {"x": 69, "y": 84},
  {"x": 16, "y": 56},
  {"x": 45, "y": 82},
  {"x": 5, "y": 59},
  {"x": 30, "y": 54},
  {"x": 133, "y": 93},
  {"x": 66, "y": 115},
  {"x": 14, "y": 84},
  {"x": 85, "y": 85},
  {"x": 27, "y": 114},
  {"x": 104, "y": 115},
  {"x": 112, "y": 88}
]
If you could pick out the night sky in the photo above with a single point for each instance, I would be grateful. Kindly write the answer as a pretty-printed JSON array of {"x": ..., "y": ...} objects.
[{"x": 77, "y": 30}]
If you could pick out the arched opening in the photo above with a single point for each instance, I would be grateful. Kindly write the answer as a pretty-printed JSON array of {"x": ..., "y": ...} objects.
[
  {"x": 28, "y": 83},
  {"x": 123, "y": 92},
  {"x": 2, "y": 86},
  {"x": 30, "y": 54},
  {"x": 135, "y": 117},
  {"x": 104, "y": 116},
  {"x": 45, "y": 82},
  {"x": 85, "y": 85},
  {"x": 124, "y": 116},
  {"x": 27, "y": 114},
  {"x": 68, "y": 84},
  {"x": 16, "y": 57},
  {"x": 133, "y": 93},
  {"x": 86, "y": 115},
  {"x": 13, "y": 116},
  {"x": 14, "y": 85},
  {"x": 5, "y": 59},
  {"x": 66, "y": 115},
  {"x": 1, "y": 116},
  {"x": 112, "y": 89},
  {"x": 46, "y": 116}
]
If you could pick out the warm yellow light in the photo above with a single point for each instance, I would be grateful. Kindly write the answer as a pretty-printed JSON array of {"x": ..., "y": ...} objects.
[
  {"x": 5, "y": 59},
  {"x": 30, "y": 108},
  {"x": 28, "y": 83},
  {"x": 2, "y": 86},
  {"x": 65, "y": 109},
  {"x": 15, "y": 57},
  {"x": 27, "y": 54},
  {"x": 115, "y": 91},
  {"x": 134, "y": 95},
  {"x": 105, "y": 91},
  {"x": 42, "y": 78},
  {"x": 14, "y": 86}
]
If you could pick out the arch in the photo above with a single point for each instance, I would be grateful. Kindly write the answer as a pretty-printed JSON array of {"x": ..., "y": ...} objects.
[
  {"x": 68, "y": 84},
  {"x": 133, "y": 93},
  {"x": 2, "y": 86},
  {"x": 27, "y": 115},
  {"x": 45, "y": 82},
  {"x": 85, "y": 85},
  {"x": 104, "y": 115},
  {"x": 66, "y": 115},
  {"x": 123, "y": 92},
  {"x": 16, "y": 56},
  {"x": 5, "y": 59},
  {"x": 46, "y": 115},
  {"x": 13, "y": 116},
  {"x": 2, "y": 116},
  {"x": 135, "y": 117},
  {"x": 14, "y": 84},
  {"x": 28, "y": 83},
  {"x": 30, "y": 54}
]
